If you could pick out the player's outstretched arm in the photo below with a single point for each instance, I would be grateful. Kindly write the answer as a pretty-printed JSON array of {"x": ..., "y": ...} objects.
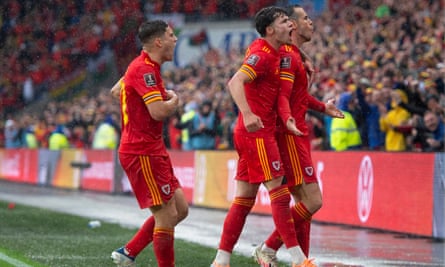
[
  {"x": 332, "y": 110},
  {"x": 292, "y": 127}
]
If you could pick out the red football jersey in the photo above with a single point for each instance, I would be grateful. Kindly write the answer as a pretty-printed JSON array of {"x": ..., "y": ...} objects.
[
  {"x": 262, "y": 65},
  {"x": 142, "y": 84},
  {"x": 294, "y": 89}
]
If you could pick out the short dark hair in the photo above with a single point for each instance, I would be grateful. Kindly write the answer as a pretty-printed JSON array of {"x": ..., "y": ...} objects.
[
  {"x": 290, "y": 11},
  {"x": 151, "y": 29},
  {"x": 266, "y": 16}
]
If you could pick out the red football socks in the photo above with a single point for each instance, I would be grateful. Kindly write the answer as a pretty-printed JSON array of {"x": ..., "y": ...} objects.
[
  {"x": 142, "y": 238},
  {"x": 302, "y": 221},
  {"x": 279, "y": 201},
  {"x": 274, "y": 241},
  {"x": 302, "y": 218},
  {"x": 234, "y": 222},
  {"x": 163, "y": 246},
  {"x": 303, "y": 236}
]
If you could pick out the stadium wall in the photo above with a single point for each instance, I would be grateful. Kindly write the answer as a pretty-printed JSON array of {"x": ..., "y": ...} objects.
[{"x": 401, "y": 192}]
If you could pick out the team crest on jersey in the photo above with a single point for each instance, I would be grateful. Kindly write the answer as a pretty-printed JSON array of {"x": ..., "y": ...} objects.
[
  {"x": 276, "y": 165},
  {"x": 309, "y": 171},
  {"x": 285, "y": 62},
  {"x": 149, "y": 79},
  {"x": 166, "y": 189},
  {"x": 252, "y": 60}
]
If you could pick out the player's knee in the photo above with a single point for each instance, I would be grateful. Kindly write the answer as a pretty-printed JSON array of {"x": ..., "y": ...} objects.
[
  {"x": 316, "y": 203},
  {"x": 182, "y": 213}
]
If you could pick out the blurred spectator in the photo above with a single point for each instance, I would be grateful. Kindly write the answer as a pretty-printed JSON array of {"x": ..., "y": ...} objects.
[
  {"x": 172, "y": 135},
  {"x": 28, "y": 91},
  {"x": 416, "y": 103},
  {"x": 27, "y": 122},
  {"x": 13, "y": 133},
  {"x": 42, "y": 133},
  {"x": 317, "y": 131},
  {"x": 344, "y": 132},
  {"x": 356, "y": 109},
  {"x": 184, "y": 124},
  {"x": 31, "y": 139},
  {"x": 395, "y": 122},
  {"x": 2, "y": 134},
  {"x": 58, "y": 139},
  {"x": 433, "y": 105},
  {"x": 429, "y": 133},
  {"x": 78, "y": 137},
  {"x": 227, "y": 113},
  {"x": 106, "y": 135},
  {"x": 203, "y": 128},
  {"x": 369, "y": 100},
  {"x": 384, "y": 11}
]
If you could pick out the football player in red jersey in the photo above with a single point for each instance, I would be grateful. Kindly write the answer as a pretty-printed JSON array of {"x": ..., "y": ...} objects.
[
  {"x": 293, "y": 102},
  {"x": 145, "y": 104},
  {"x": 255, "y": 88}
]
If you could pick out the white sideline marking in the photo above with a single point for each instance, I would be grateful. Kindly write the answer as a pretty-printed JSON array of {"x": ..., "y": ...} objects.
[{"x": 13, "y": 261}]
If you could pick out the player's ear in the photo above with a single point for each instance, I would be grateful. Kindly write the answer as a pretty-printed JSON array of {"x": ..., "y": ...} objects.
[
  {"x": 269, "y": 30},
  {"x": 158, "y": 41}
]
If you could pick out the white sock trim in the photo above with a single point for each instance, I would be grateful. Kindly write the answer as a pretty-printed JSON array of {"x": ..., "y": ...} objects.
[
  {"x": 222, "y": 257},
  {"x": 296, "y": 254}
]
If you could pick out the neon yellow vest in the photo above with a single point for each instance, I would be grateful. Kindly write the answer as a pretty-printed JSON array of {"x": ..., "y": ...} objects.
[
  {"x": 184, "y": 118},
  {"x": 58, "y": 141},
  {"x": 105, "y": 137},
  {"x": 344, "y": 133},
  {"x": 31, "y": 140}
]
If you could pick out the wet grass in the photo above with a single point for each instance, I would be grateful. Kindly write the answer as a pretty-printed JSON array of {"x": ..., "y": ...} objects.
[{"x": 38, "y": 237}]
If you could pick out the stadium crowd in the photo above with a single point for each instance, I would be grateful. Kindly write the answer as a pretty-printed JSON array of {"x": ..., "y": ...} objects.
[{"x": 383, "y": 62}]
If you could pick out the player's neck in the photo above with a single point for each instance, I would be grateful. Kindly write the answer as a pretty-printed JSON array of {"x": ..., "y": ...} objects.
[
  {"x": 273, "y": 42},
  {"x": 297, "y": 44},
  {"x": 156, "y": 57},
  {"x": 297, "y": 40}
]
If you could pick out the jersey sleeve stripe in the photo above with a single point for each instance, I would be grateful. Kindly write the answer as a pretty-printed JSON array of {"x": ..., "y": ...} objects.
[
  {"x": 152, "y": 97},
  {"x": 249, "y": 71},
  {"x": 287, "y": 76}
]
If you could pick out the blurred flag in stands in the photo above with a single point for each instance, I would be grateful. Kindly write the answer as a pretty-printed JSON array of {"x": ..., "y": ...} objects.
[{"x": 199, "y": 38}]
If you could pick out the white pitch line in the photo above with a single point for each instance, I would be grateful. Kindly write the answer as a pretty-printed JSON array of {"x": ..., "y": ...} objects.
[{"x": 13, "y": 261}]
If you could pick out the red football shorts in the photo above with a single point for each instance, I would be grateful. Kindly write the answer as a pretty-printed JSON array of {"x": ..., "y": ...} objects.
[
  {"x": 259, "y": 159},
  {"x": 297, "y": 160},
  {"x": 151, "y": 178}
]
